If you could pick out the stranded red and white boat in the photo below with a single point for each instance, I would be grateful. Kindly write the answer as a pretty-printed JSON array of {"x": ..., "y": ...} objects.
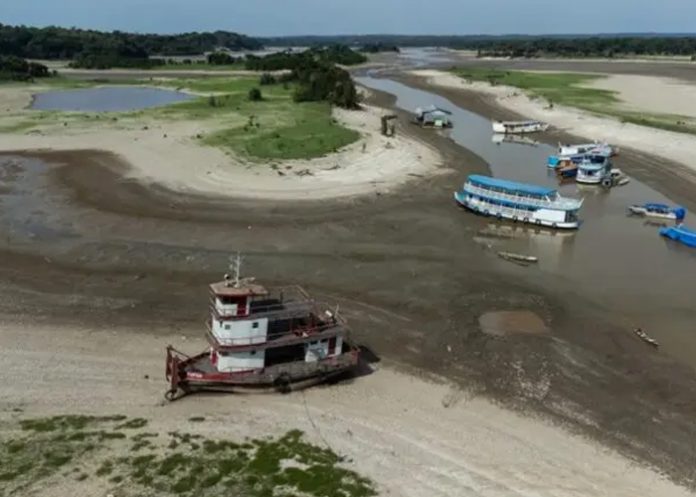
[{"x": 278, "y": 338}]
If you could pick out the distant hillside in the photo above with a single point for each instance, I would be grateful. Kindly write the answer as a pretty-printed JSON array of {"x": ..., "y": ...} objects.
[
  {"x": 62, "y": 43},
  {"x": 517, "y": 45}
]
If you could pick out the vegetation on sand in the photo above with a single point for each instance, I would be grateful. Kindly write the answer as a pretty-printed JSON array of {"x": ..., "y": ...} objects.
[
  {"x": 72, "y": 450},
  {"x": 571, "y": 89},
  {"x": 276, "y": 127}
]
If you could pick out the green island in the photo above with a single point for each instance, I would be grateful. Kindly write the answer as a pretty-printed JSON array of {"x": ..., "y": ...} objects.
[
  {"x": 130, "y": 459},
  {"x": 570, "y": 89}
]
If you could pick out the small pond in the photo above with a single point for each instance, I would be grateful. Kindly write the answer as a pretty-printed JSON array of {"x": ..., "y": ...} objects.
[{"x": 107, "y": 99}]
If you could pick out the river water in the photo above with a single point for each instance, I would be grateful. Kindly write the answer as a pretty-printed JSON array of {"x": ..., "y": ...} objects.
[{"x": 621, "y": 262}]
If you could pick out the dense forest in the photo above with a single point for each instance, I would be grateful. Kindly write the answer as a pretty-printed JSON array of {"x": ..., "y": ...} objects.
[
  {"x": 517, "y": 45},
  {"x": 587, "y": 47},
  {"x": 96, "y": 49},
  {"x": 334, "y": 54},
  {"x": 379, "y": 47},
  {"x": 315, "y": 72},
  {"x": 17, "y": 69}
]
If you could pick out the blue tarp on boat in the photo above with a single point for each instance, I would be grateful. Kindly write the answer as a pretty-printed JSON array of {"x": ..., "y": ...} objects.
[
  {"x": 679, "y": 212},
  {"x": 510, "y": 186},
  {"x": 680, "y": 233}
]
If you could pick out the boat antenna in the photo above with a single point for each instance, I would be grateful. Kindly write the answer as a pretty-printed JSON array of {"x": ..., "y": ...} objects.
[{"x": 236, "y": 269}]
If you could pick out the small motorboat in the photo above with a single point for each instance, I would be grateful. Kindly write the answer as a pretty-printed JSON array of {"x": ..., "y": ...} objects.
[
  {"x": 519, "y": 127},
  {"x": 662, "y": 211},
  {"x": 680, "y": 233}
]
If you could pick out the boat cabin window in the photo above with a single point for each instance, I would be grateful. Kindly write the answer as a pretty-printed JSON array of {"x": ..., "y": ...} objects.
[
  {"x": 229, "y": 300},
  {"x": 255, "y": 324}
]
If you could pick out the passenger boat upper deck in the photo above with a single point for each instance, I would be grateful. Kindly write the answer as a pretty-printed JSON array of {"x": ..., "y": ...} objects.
[{"x": 518, "y": 202}]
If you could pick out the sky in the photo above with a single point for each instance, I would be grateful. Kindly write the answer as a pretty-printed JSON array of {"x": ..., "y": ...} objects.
[{"x": 323, "y": 17}]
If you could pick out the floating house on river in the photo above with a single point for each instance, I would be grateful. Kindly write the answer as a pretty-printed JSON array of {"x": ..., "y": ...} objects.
[{"x": 433, "y": 117}]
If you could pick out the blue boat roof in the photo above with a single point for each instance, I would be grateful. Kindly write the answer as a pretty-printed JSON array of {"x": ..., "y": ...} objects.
[
  {"x": 512, "y": 186},
  {"x": 651, "y": 205}
]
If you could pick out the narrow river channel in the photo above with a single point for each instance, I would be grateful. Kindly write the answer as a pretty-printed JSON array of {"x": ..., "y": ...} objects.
[{"x": 619, "y": 261}]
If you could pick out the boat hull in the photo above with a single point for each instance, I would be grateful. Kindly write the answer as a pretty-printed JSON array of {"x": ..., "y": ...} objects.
[
  {"x": 680, "y": 234},
  {"x": 642, "y": 211},
  {"x": 187, "y": 374},
  {"x": 501, "y": 214}
]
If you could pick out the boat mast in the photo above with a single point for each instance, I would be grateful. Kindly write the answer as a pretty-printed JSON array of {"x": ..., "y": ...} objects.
[{"x": 236, "y": 269}]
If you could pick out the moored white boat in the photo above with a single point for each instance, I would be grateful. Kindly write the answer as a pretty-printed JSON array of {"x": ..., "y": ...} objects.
[
  {"x": 518, "y": 202},
  {"x": 662, "y": 211},
  {"x": 519, "y": 127},
  {"x": 587, "y": 148}
]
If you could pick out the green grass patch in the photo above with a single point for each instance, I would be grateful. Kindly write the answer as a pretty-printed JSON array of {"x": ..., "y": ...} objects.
[
  {"x": 273, "y": 128},
  {"x": 62, "y": 423},
  {"x": 557, "y": 88},
  {"x": 133, "y": 424},
  {"x": 570, "y": 89}
]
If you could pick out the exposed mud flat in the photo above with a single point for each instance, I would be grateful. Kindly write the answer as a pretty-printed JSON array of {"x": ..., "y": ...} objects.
[
  {"x": 404, "y": 268},
  {"x": 506, "y": 323}
]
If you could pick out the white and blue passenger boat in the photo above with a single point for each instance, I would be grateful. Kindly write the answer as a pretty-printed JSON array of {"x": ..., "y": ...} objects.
[
  {"x": 594, "y": 169},
  {"x": 518, "y": 202}
]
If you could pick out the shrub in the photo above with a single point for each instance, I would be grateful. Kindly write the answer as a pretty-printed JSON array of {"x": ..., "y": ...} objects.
[{"x": 255, "y": 95}]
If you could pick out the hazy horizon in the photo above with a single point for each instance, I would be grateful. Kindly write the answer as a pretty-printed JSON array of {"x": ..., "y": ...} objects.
[{"x": 265, "y": 18}]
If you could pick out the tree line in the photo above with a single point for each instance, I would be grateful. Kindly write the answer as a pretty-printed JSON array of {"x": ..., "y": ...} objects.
[
  {"x": 516, "y": 45},
  {"x": 90, "y": 48},
  {"x": 18, "y": 69},
  {"x": 588, "y": 47},
  {"x": 333, "y": 54}
]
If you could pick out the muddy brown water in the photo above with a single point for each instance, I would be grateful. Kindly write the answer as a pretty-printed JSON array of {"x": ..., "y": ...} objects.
[
  {"x": 407, "y": 269},
  {"x": 618, "y": 261}
]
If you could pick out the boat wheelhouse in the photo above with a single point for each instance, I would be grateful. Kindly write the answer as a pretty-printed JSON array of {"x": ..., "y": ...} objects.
[
  {"x": 521, "y": 202},
  {"x": 261, "y": 337},
  {"x": 519, "y": 127}
]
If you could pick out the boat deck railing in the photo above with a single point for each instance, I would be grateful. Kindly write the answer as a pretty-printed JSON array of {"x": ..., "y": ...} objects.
[{"x": 558, "y": 203}]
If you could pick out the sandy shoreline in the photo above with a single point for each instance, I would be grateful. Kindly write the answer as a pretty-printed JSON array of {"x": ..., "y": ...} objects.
[
  {"x": 380, "y": 421},
  {"x": 674, "y": 146},
  {"x": 168, "y": 153}
]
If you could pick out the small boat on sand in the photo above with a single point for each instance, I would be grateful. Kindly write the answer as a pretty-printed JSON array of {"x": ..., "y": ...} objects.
[
  {"x": 519, "y": 127},
  {"x": 662, "y": 211},
  {"x": 646, "y": 338},
  {"x": 680, "y": 233},
  {"x": 519, "y": 258}
]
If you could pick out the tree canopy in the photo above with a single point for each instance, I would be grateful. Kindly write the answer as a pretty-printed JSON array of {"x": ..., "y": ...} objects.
[
  {"x": 18, "y": 69},
  {"x": 62, "y": 43}
]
